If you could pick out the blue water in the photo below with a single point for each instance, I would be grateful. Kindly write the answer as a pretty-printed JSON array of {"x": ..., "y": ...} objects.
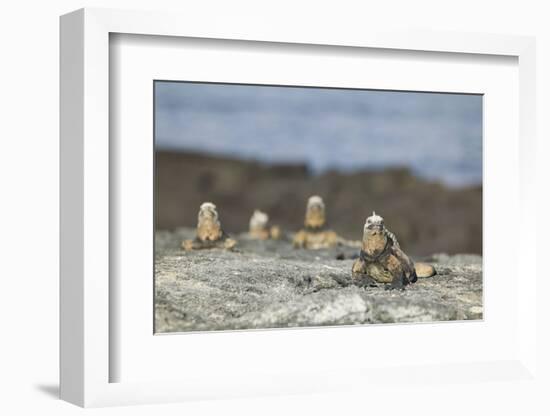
[{"x": 437, "y": 136}]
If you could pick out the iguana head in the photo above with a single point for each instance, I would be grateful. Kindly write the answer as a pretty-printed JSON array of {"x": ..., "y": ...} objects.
[
  {"x": 315, "y": 212},
  {"x": 374, "y": 236},
  {"x": 207, "y": 210},
  {"x": 374, "y": 223},
  {"x": 258, "y": 221}
]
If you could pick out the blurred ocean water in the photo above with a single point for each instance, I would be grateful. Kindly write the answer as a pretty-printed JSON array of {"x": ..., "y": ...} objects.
[{"x": 438, "y": 136}]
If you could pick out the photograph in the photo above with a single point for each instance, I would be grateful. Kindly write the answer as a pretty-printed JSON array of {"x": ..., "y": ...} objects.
[{"x": 283, "y": 206}]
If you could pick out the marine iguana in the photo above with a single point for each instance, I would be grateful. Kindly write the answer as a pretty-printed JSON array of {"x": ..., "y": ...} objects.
[
  {"x": 209, "y": 231},
  {"x": 314, "y": 235},
  {"x": 381, "y": 259},
  {"x": 259, "y": 227}
]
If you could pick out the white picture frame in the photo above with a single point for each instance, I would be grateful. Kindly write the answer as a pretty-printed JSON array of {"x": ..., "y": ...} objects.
[{"x": 87, "y": 303}]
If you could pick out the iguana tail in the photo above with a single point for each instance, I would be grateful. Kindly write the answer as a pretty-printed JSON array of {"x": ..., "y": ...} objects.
[{"x": 424, "y": 270}]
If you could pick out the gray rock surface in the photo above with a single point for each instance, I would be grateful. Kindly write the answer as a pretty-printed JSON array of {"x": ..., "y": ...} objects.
[{"x": 268, "y": 284}]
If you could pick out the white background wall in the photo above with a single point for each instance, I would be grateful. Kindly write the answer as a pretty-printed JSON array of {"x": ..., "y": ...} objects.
[{"x": 29, "y": 187}]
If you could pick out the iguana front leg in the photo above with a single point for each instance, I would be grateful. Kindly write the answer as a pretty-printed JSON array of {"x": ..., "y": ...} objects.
[
  {"x": 359, "y": 275},
  {"x": 399, "y": 277},
  {"x": 300, "y": 239},
  {"x": 398, "y": 283}
]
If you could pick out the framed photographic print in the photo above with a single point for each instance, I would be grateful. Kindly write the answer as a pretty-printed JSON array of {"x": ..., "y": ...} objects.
[
  {"x": 286, "y": 181},
  {"x": 272, "y": 212}
]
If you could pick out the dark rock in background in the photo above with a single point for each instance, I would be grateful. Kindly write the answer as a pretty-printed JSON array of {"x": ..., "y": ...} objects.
[
  {"x": 427, "y": 217},
  {"x": 268, "y": 284}
]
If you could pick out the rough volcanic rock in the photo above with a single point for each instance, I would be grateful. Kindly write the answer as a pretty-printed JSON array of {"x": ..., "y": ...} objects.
[{"x": 268, "y": 284}]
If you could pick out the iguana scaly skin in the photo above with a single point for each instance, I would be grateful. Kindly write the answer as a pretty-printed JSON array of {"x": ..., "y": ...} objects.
[
  {"x": 381, "y": 260},
  {"x": 314, "y": 235},
  {"x": 209, "y": 231}
]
